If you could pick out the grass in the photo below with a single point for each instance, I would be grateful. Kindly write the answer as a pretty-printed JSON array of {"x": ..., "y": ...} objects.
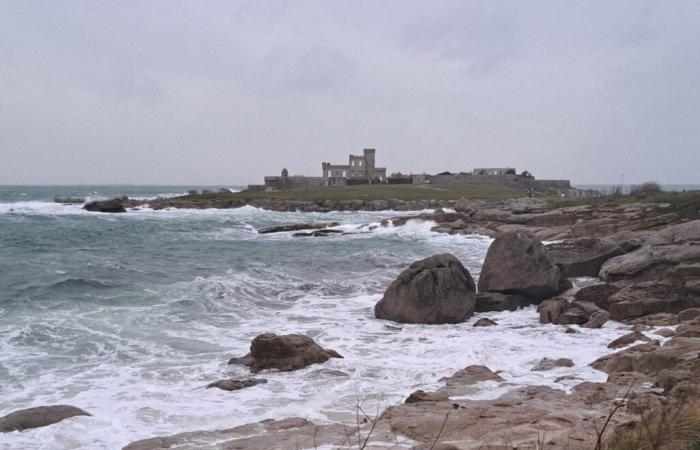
[
  {"x": 685, "y": 204},
  {"x": 376, "y": 192}
]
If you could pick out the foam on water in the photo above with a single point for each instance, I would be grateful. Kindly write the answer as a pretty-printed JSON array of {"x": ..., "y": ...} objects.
[{"x": 137, "y": 354}]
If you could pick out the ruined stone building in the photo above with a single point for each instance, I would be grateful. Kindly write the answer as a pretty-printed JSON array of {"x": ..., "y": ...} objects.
[{"x": 360, "y": 169}]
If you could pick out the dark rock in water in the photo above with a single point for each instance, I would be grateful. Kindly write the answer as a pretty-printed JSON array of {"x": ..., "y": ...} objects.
[
  {"x": 433, "y": 290},
  {"x": 517, "y": 263},
  {"x": 106, "y": 206},
  {"x": 297, "y": 227},
  {"x": 583, "y": 257},
  {"x": 485, "y": 323},
  {"x": 496, "y": 301},
  {"x": 234, "y": 384},
  {"x": 284, "y": 353},
  {"x": 69, "y": 200},
  {"x": 628, "y": 339},
  {"x": 318, "y": 233},
  {"x": 39, "y": 416},
  {"x": 548, "y": 364}
]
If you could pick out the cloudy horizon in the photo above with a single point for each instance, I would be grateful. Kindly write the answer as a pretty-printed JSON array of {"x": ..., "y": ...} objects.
[{"x": 163, "y": 92}]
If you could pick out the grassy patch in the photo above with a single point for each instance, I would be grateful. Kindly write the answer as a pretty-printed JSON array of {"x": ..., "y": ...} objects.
[
  {"x": 685, "y": 204},
  {"x": 377, "y": 192}
]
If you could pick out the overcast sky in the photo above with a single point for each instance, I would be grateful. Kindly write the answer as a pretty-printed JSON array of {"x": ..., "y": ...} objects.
[{"x": 170, "y": 92}]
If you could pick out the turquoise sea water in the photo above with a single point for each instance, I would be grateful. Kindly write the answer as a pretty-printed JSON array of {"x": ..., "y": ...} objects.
[{"x": 130, "y": 315}]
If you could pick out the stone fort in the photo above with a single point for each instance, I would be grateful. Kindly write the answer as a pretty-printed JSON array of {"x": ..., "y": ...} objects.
[{"x": 362, "y": 169}]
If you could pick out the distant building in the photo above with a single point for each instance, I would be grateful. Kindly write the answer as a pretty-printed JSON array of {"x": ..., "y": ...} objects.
[
  {"x": 359, "y": 170},
  {"x": 494, "y": 171}
]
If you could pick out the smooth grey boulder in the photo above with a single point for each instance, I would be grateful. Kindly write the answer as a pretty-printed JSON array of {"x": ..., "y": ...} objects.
[
  {"x": 434, "y": 290},
  {"x": 517, "y": 263},
  {"x": 583, "y": 257},
  {"x": 39, "y": 416}
]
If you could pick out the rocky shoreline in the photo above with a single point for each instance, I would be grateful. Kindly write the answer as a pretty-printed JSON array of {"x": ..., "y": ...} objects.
[{"x": 643, "y": 260}]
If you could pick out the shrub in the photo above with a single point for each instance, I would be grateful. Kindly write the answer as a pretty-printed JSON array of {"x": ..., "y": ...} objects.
[{"x": 646, "y": 188}]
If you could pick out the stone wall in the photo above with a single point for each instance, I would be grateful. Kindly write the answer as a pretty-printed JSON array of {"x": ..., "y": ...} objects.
[{"x": 293, "y": 182}]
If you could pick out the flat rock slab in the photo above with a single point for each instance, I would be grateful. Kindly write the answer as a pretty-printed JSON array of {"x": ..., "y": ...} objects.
[{"x": 39, "y": 416}]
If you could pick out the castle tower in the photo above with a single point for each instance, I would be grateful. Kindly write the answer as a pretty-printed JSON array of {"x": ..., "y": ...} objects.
[{"x": 369, "y": 162}]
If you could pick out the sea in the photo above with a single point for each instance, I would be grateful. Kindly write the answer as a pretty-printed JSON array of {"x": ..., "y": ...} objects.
[{"x": 129, "y": 316}]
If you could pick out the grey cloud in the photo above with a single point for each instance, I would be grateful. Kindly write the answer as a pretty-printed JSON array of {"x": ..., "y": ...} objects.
[{"x": 226, "y": 92}]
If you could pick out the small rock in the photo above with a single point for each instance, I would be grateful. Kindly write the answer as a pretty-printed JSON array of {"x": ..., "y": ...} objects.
[
  {"x": 548, "y": 364},
  {"x": 484, "y": 322},
  {"x": 422, "y": 396},
  {"x": 234, "y": 384},
  {"x": 39, "y": 416},
  {"x": 284, "y": 353},
  {"x": 569, "y": 330},
  {"x": 628, "y": 339},
  {"x": 665, "y": 332}
]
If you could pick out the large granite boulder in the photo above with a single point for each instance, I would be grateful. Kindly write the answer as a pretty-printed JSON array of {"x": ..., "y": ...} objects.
[
  {"x": 115, "y": 205},
  {"x": 517, "y": 263},
  {"x": 39, "y": 416},
  {"x": 433, "y": 290},
  {"x": 284, "y": 353},
  {"x": 583, "y": 257}
]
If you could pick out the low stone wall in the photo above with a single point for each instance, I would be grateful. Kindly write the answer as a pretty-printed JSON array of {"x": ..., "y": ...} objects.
[{"x": 293, "y": 182}]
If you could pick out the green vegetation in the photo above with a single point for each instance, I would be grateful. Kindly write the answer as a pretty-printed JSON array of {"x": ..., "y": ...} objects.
[
  {"x": 687, "y": 204},
  {"x": 377, "y": 192}
]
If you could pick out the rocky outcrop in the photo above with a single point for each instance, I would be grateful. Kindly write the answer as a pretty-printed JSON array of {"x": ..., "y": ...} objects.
[
  {"x": 583, "y": 257},
  {"x": 434, "y": 290},
  {"x": 284, "y": 353},
  {"x": 236, "y": 384},
  {"x": 677, "y": 354},
  {"x": 496, "y": 301},
  {"x": 106, "y": 206},
  {"x": 517, "y": 263},
  {"x": 39, "y": 416},
  {"x": 287, "y": 434}
]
